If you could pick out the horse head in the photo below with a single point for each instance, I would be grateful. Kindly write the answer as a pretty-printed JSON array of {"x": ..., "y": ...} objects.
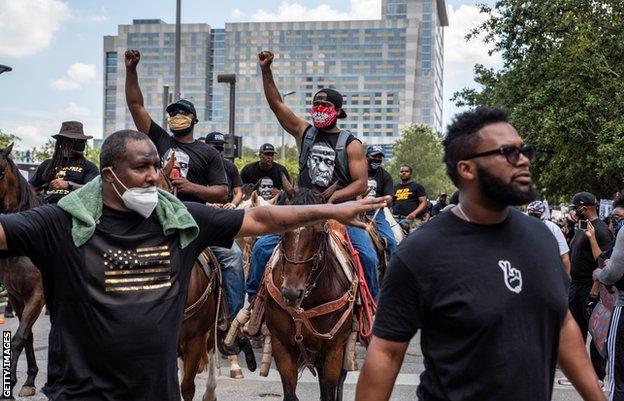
[
  {"x": 164, "y": 178},
  {"x": 5, "y": 163},
  {"x": 303, "y": 253}
]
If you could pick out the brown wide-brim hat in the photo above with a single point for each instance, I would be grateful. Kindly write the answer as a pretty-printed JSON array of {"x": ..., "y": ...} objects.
[{"x": 72, "y": 130}]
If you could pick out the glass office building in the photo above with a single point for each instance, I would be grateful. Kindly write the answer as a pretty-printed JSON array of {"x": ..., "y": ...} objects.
[{"x": 389, "y": 70}]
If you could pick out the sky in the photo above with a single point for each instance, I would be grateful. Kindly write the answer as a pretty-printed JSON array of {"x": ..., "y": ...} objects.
[{"x": 55, "y": 50}]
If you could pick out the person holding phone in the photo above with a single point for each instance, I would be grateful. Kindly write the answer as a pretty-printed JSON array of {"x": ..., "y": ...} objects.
[{"x": 583, "y": 291}]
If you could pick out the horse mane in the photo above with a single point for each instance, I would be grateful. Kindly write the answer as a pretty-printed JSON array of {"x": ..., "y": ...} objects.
[
  {"x": 26, "y": 199},
  {"x": 307, "y": 196}
]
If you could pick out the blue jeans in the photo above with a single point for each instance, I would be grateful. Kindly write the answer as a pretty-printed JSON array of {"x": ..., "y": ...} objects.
[
  {"x": 231, "y": 261},
  {"x": 264, "y": 246},
  {"x": 386, "y": 231}
]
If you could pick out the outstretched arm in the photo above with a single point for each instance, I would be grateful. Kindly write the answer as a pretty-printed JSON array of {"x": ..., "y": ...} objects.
[
  {"x": 359, "y": 175},
  {"x": 287, "y": 119},
  {"x": 575, "y": 363},
  {"x": 134, "y": 97},
  {"x": 276, "y": 219}
]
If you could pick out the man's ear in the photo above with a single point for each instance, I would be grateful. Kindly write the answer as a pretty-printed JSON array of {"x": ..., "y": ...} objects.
[
  {"x": 467, "y": 170},
  {"x": 107, "y": 175}
]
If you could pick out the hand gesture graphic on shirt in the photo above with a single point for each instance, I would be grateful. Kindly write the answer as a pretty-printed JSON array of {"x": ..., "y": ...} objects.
[{"x": 513, "y": 276}]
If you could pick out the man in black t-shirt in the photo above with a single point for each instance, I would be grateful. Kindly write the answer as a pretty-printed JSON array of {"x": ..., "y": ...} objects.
[
  {"x": 327, "y": 156},
  {"x": 266, "y": 172},
  {"x": 202, "y": 177},
  {"x": 583, "y": 291},
  {"x": 440, "y": 204},
  {"x": 380, "y": 184},
  {"x": 117, "y": 256},
  {"x": 409, "y": 199},
  {"x": 492, "y": 308},
  {"x": 68, "y": 169}
]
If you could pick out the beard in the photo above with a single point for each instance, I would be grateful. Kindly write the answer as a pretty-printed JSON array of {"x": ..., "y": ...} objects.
[{"x": 497, "y": 191}]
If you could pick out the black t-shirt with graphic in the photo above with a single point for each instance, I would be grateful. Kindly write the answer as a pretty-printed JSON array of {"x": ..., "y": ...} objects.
[
  {"x": 405, "y": 198},
  {"x": 200, "y": 163},
  {"x": 379, "y": 183},
  {"x": 117, "y": 301},
  {"x": 319, "y": 171},
  {"x": 582, "y": 259},
  {"x": 490, "y": 311},
  {"x": 233, "y": 178},
  {"x": 272, "y": 178},
  {"x": 75, "y": 170}
]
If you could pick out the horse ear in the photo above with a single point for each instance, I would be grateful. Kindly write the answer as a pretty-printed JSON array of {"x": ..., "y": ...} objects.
[
  {"x": 169, "y": 166},
  {"x": 255, "y": 187},
  {"x": 254, "y": 198},
  {"x": 330, "y": 191},
  {"x": 7, "y": 151},
  {"x": 288, "y": 188}
]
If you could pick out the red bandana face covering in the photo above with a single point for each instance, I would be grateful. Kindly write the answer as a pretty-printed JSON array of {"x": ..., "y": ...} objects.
[{"x": 323, "y": 116}]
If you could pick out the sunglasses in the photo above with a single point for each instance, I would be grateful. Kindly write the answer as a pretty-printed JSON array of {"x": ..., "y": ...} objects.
[{"x": 511, "y": 153}]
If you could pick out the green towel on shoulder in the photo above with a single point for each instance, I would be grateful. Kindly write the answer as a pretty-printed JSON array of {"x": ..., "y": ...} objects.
[{"x": 85, "y": 206}]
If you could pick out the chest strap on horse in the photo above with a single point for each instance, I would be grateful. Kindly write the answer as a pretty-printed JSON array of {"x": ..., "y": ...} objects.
[
  {"x": 209, "y": 266},
  {"x": 369, "y": 306}
]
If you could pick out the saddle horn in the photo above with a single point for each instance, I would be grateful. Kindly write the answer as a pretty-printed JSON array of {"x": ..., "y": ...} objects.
[
  {"x": 330, "y": 191},
  {"x": 288, "y": 187}
]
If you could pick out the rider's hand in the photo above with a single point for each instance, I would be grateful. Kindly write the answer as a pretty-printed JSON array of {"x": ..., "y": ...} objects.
[
  {"x": 183, "y": 185},
  {"x": 59, "y": 183},
  {"x": 229, "y": 206},
  {"x": 591, "y": 231},
  {"x": 274, "y": 191},
  {"x": 265, "y": 59},
  {"x": 132, "y": 59},
  {"x": 347, "y": 212}
]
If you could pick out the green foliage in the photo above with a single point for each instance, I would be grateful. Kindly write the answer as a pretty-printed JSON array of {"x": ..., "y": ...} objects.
[
  {"x": 6, "y": 139},
  {"x": 421, "y": 148},
  {"x": 562, "y": 84}
]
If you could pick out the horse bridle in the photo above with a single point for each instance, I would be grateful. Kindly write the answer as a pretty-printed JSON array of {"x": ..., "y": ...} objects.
[{"x": 316, "y": 259}]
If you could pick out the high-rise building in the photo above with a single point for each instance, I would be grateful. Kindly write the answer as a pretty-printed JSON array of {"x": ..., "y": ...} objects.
[{"x": 389, "y": 70}]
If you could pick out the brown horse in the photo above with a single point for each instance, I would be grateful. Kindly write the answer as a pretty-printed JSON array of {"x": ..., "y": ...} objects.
[
  {"x": 20, "y": 276},
  {"x": 309, "y": 310},
  {"x": 196, "y": 345}
]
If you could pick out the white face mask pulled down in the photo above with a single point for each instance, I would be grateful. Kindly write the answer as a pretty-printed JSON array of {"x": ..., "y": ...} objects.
[{"x": 141, "y": 200}]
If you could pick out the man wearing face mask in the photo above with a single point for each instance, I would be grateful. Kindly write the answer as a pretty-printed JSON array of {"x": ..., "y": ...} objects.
[
  {"x": 265, "y": 171},
  {"x": 68, "y": 169},
  {"x": 119, "y": 254},
  {"x": 380, "y": 184},
  {"x": 327, "y": 156},
  {"x": 537, "y": 209},
  {"x": 234, "y": 182},
  {"x": 584, "y": 292},
  {"x": 202, "y": 174}
]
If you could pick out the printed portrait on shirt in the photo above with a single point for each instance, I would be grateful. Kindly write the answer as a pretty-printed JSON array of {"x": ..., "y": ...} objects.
[{"x": 321, "y": 164}]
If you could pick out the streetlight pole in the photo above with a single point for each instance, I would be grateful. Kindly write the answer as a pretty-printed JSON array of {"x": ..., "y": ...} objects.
[
  {"x": 231, "y": 80},
  {"x": 178, "y": 34},
  {"x": 283, "y": 149},
  {"x": 5, "y": 68}
]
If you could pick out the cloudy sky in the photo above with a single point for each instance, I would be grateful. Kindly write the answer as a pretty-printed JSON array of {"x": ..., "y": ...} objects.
[{"x": 55, "y": 49}]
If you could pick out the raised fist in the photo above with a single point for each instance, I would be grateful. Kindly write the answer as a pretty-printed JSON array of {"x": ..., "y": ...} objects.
[
  {"x": 265, "y": 59},
  {"x": 132, "y": 58}
]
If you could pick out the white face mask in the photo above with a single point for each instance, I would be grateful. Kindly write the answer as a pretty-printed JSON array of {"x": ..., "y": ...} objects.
[{"x": 141, "y": 200}]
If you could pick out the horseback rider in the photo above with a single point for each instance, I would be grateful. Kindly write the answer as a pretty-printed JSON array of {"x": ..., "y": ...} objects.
[
  {"x": 265, "y": 171},
  {"x": 327, "y": 155},
  {"x": 115, "y": 337},
  {"x": 409, "y": 200},
  {"x": 68, "y": 169},
  {"x": 380, "y": 184},
  {"x": 202, "y": 175}
]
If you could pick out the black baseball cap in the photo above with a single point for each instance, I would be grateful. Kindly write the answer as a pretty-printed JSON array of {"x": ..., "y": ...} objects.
[
  {"x": 182, "y": 104},
  {"x": 267, "y": 148},
  {"x": 215, "y": 137},
  {"x": 374, "y": 150},
  {"x": 335, "y": 97},
  {"x": 583, "y": 199}
]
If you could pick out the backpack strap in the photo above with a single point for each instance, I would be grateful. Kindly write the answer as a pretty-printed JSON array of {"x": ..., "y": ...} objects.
[
  {"x": 342, "y": 172},
  {"x": 306, "y": 145}
]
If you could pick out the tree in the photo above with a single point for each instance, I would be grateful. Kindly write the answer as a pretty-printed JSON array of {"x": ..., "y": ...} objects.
[
  {"x": 421, "y": 148},
  {"x": 6, "y": 139},
  {"x": 561, "y": 82}
]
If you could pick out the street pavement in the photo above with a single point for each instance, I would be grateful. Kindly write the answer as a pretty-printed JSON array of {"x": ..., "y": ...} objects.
[{"x": 256, "y": 388}]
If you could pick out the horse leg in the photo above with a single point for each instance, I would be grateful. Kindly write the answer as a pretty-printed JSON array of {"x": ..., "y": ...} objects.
[
  {"x": 28, "y": 389},
  {"x": 18, "y": 341},
  {"x": 211, "y": 381},
  {"x": 235, "y": 370},
  {"x": 194, "y": 352},
  {"x": 340, "y": 387},
  {"x": 329, "y": 376},
  {"x": 286, "y": 362}
]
